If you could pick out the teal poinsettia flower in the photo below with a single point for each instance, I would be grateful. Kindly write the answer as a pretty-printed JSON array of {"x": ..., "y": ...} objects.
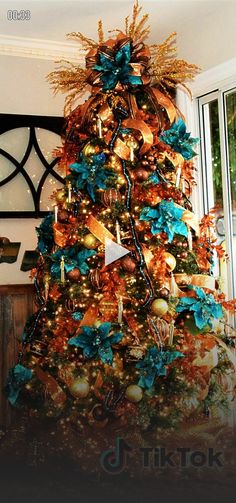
[
  {"x": 116, "y": 67},
  {"x": 165, "y": 217},
  {"x": 72, "y": 258},
  {"x": 203, "y": 306},
  {"x": 178, "y": 139},
  {"x": 154, "y": 365},
  {"x": 97, "y": 342},
  {"x": 91, "y": 173},
  {"x": 17, "y": 377},
  {"x": 154, "y": 178},
  {"x": 45, "y": 235},
  {"x": 77, "y": 315}
]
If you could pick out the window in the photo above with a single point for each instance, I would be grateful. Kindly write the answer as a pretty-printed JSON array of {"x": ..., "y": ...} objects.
[
  {"x": 217, "y": 113},
  {"x": 28, "y": 171}
]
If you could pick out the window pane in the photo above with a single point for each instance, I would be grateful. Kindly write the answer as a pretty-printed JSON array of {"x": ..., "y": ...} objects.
[
  {"x": 215, "y": 153},
  {"x": 231, "y": 127},
  {"x": 15, "y": 142},
  {"x": 16, "y": 196},
  {"x": 34, "y": 168},
  {"x": 51, "y": 184},
  {"x": 48, "y": 142},
  {"x": 6, "y": 168},
  {"x": 231, "y": 132}
]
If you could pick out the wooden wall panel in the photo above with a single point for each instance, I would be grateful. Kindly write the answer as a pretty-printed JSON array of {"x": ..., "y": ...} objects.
[{"x": 16, "y": 304}]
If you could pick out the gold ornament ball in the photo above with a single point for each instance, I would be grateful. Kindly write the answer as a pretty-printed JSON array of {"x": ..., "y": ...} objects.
[
  {"x": 91, "y": 149},
  {"x": 134, "y": 393},
  {"x": 159, "y": 307},
  {"x": 79, "y": 388},
  {"x": 90, "y": 241},
  {"x": 170, "y": 260},
  {"x": 60, "y": 195}
]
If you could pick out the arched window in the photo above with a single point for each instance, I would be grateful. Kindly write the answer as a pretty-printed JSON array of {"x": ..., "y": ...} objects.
[{"x": 28, "y": 170}]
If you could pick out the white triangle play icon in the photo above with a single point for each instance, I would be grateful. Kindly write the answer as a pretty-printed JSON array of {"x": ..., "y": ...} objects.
[{"x": 113, "y": 251}]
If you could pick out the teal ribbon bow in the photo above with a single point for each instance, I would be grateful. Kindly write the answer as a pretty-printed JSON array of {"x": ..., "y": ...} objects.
[
  {"x": 90, "y": 174},
  {"x": 178, "y": 139},
  {"x": 17, "y": 377},
  {"x": 165, "y": 217},
  {"x": 96, "y": 341},
  {"x": 203, "y": 306},
  {"x": 154, "y": 365},
  {"x": 45, "y": 235}
]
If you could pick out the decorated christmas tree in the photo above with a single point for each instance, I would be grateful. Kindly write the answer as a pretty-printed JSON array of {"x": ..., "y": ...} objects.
[{"x": 130, "y": 331}]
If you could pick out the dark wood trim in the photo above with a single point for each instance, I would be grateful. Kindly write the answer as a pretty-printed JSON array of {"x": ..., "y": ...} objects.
[
  {"x": 16, "y": 305},
  {"x": 14, "y": 289}
]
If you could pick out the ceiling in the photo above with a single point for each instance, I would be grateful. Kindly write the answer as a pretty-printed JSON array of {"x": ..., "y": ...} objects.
[{"x": 205, "y": 28}]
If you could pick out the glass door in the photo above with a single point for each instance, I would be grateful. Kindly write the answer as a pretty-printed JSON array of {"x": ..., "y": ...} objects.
[{"x": 217, "y": 113}]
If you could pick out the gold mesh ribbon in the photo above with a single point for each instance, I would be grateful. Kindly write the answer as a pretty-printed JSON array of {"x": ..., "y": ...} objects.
[
  {"x": 89, "y": 317},
  {"x": 144, "y": 130},
  {"x": 203, "y": 281},
  {"x": 158, "y": 99},
  {"x": 190, "y": 219},
  {"x": 56, "y": 393},
  {"x": 99, "y": 230}
]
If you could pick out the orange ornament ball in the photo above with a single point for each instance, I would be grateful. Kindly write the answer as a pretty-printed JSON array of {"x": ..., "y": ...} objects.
[
  {"x": 141, "y": 174},
  {"x": 128, "y": 264},
  {"x": 74, "y": 275},
  {"x": 63, "y": 216}
]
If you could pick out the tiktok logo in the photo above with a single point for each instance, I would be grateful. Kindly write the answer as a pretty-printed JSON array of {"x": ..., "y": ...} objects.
[{"x": 113, "y": 461}]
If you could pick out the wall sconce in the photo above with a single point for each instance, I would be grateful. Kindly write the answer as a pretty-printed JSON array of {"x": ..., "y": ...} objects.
[
  {"x": 29, "y": 260},
  {"x": 8, "y": 251}
]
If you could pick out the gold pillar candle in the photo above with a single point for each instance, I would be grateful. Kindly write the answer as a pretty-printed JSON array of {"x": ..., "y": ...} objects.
[
  {"x": 118, "y": 232},
  {"x": 120, "y": 309},
  {"x": 99, "y": 127},
  {"x": 46, "y": 290},
  {"x": 190, "y": 239},
  {"x": 69, "y": 192},
  {"x": 171, "y": 332},
  {"x": 178, "y": 175},
  {"x": 62, "y": 267},
  {"x": 56, "y": 213}
]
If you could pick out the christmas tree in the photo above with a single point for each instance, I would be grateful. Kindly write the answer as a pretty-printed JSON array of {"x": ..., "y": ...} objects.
[{"x": 138, "y": 342}]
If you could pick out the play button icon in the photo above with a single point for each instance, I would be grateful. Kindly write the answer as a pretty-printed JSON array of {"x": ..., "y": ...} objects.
[{"x": 113, "y": 251}]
